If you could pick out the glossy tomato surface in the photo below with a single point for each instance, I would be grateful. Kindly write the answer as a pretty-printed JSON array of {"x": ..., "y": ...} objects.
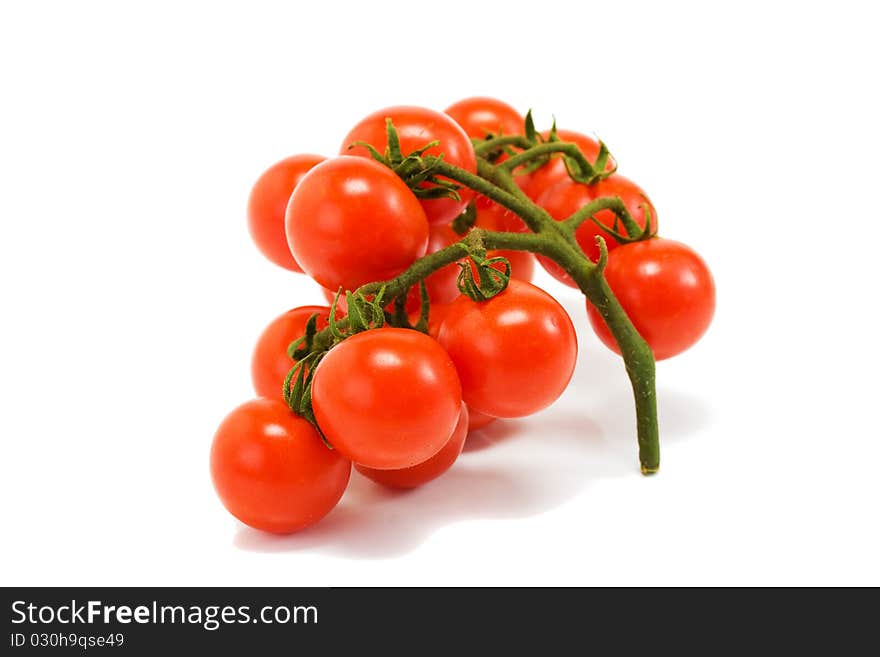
[
  {"x": 387, "y": 398},
  {"x": 268, "y": 202},
  {"x": 514, "y": 353},
  {"x": 271, "y": 469},
  {"x": 425, "y": 471},
  {"x": 417, "y": 127},
  {"x": 667, "y": 291},
  {"x": 352, "y": 221},
  {"x": 270, "y": 362}
]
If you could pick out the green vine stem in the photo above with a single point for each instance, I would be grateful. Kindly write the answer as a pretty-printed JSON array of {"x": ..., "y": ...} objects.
[{"x": 556, "y": 241}]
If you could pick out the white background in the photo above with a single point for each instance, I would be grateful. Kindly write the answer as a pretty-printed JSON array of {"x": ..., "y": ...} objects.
[{"x": 131, "y": 293}]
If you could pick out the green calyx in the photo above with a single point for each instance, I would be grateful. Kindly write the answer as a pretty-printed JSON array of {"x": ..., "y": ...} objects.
[{"x": 415, "y": 169}]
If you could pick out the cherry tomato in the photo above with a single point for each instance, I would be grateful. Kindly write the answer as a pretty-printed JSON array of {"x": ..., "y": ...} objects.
[
  {"x": 271, "y": 469},
  {"x": 387, "y": 398},
  {"x": 567, "y": 197},
  {"x": 267, "y": 203},
  {"x": 514, "y": 353},
  {"x": 352, "y": 221},
  {"x": 497, "y": 217},
  {"x": 481, "y": 116},
  {"x": 553, "y": 171},
  {"x": 666, "y": 290},
  {"x": 477, "y": 420},
  {"x": 416, "y": 127},
  {"x": 270, "y": 363},
  {"x": 425, "y": 471}
]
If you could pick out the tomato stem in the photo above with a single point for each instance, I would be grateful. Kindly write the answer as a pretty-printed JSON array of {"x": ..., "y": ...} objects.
[
  {"x": 556, "y": 241},
  {"x": 634, "y": 232}
]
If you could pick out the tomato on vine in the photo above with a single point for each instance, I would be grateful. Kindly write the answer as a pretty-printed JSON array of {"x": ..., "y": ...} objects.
[
  {"x": 567, "y": 197},
  {"x": 387, "y": 398},
  {"x": 554, "y": 171},
  {"x": 667, "y": 291},
  {"x": 270, "y": 362},
  {"x": 271, "y": 469},
  {"x": 351, "y": 221},
  {"x": 416, "y": 127},
  {"x": 267, "y": 203},
  {"x": 497, "y": 217},
  {"x": 514, "y": 353},
  {"x": 482, "y": 116},
  {"x": 428, "y": 470}
]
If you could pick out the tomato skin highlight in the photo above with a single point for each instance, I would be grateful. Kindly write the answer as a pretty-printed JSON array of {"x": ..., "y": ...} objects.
[
  {"x": 514, "y": 353},
  {"x": 416, "y": 127},
  {"x": 567, "y": 197},
  {"x": 269, "y": 362},
  {"x": 426, "y": 471},
  {"x": 272, "y": 471},
  {"x": 352, "y": 221},
  {"x": 267, "y": 204},
  {"x": 387, "y": 398},
  {"x": 667, "y": 291},
  {"x": 481, "y": 116}
]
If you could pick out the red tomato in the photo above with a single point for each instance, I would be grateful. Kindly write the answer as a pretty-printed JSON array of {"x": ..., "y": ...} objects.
[
  {"x": 353, "y": 221},
  {"x": 271, "y": 469},
  {"x": 270, "y": 363},
  {"x": 666, "y": 290},
  {"x": 481, "y": 116},
  {"x": 387, "y": 398},
  {"x": 553, "y": 171},
  {"x": 477, "y": 420},
  {"x": 567, "y": 197},
  {"x": 425, "y": 471},
  {"x": 514, "y": 353},
  {"x": 267, "y": 203},
  {"x": 416, "y": 127},
  {"x": 497, "y": 217}
]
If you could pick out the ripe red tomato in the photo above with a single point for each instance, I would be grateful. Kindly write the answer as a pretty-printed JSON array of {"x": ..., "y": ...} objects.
[
  {"x": 554, "y": 171},
  {"x": 514, "y": 353},
  {"x": 387, "y": 398},
  {"x": 425, "y": 471},
  {"x": 416, "y": 127},
  {"x": 477, "y": 420},
  {"x": 270, "y": 363},
  {"x": 497, "y": 217},
  {"x": 267, "y": 203},
  {"x": 352, "y": 221},
  {"x": 666, "y": 289},
  {"x": 481, "y": 116},
  {"x": 271, "y": 469},
  {"x": 567, "y": 197}
]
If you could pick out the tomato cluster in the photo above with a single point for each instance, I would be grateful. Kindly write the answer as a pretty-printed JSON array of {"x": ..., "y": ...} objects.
[{"x": 397, "y": 400}]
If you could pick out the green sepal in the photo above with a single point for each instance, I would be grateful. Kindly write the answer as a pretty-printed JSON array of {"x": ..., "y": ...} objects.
[{"x": 491, "y": 281}]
